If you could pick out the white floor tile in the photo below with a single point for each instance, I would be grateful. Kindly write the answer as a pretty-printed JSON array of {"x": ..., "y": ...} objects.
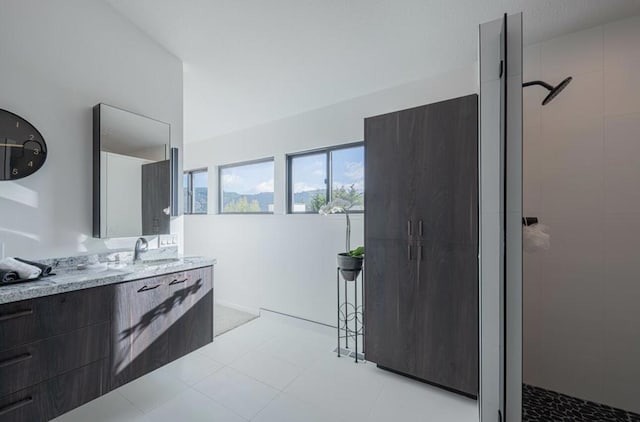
[
  {"x": 152, "y": 390},
  {"x": 238, "y": 392},
  {"x": 340, "y": 384},
  {"x": 267, "y": 369},
  {"x": 286, "y": 408},
  {"x": 232, "y": 345},
  {"x": 191, "y": 406},
  {"x": 112, "y": 407},
  {"x": 225, "y": 350},
  {"x": 317, "y": 385},
  {"x": 255, "y": 333},
  {"x": 301, "y": 352},
  {"x": 406, "y": 399},
  {"x": 192, "y": 368}
]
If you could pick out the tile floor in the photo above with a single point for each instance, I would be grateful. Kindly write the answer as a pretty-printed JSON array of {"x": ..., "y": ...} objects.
[{"x": 274, "y": 369}]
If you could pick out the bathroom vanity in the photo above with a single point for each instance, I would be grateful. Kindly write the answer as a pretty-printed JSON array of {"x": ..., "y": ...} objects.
[{"x": 75, "y": 336}]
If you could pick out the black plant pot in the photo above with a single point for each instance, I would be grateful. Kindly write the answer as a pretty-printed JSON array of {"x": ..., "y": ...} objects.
[{"x": 350, "y": 266}]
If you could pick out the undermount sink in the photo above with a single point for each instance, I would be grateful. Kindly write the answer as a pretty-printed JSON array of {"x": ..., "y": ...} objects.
[
  {"x": 159, "y": 260},
  {"x": 129, "y": 266}
]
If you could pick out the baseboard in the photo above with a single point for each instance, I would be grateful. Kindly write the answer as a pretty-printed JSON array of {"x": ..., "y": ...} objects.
[
  {"x": 302, "y": 322},
  {"x": 254, "y": 311},
  {"x": 435, "y": 384}
]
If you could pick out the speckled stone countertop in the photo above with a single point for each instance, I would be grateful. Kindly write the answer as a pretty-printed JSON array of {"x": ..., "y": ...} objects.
[{"x": 69, "y": 278}]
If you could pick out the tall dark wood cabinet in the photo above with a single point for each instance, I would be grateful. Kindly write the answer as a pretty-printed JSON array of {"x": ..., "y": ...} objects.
[{"x": 421, "y": 240}]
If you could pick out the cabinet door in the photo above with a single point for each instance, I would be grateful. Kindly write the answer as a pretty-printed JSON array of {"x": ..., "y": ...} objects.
[
  {"x": 139, "y": 326},
  {"x": 447, "y": 269},
  {"x": 389, "y": 318},
  {"x": 447, "y": 318},
  {"x": 191, "y": 298},
  {"x": 388, "y": 200},
  {"x": 445, "y": 136},
  {"x": 156, "y": 197}
]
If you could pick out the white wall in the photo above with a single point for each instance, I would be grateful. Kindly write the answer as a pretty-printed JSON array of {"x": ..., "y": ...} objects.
[
  {"x": 582, "y": 179},
  {"x": 59, "y": 59},
  {"x": 287, "y": 262}
]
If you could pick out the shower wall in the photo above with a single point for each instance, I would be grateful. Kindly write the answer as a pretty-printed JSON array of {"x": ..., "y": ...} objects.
[{"x": 582, "y": 179}]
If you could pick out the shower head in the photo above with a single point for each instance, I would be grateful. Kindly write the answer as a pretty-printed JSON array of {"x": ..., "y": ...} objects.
[{"x": 553, "y": 90}]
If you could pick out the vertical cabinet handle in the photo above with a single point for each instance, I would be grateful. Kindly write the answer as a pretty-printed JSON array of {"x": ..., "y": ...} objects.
[
  {"x": 420, "y": 232},
  {"x": 409, "y": 252},
  {"x": 409, "y": 231}
]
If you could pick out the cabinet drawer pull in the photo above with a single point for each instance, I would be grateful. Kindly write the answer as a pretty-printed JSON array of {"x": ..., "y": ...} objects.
[
  {"x": 420, "y": 231},
  {"x": 178, "y": 282},
  {"x": 15, "y": 405},
  {"x": 409, "y": 230},
  {"x": 409, "y": 252},
  {"x": 146, "y": 288},
  {"x": 17, "y": 314},
  {"x": 14, "y": 360}
]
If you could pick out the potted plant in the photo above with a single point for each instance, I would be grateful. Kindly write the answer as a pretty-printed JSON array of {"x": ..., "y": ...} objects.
[{"x": 350, "y": 261}]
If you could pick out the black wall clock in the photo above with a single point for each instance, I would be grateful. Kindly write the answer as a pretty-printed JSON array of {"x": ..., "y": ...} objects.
[{"x": 22, "y": 147}]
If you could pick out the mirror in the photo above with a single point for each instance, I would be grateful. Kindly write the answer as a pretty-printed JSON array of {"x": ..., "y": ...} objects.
[{"x": 131, "y": 175}]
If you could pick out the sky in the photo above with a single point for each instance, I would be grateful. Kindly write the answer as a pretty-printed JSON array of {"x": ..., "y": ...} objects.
[
  {"x": 308, "y": 173},
  {"x": 248, "y": 179}
]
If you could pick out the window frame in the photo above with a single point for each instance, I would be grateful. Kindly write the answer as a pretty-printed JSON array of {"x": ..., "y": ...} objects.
[
  {"x": 188, "y": 207},
  {"x": 240, "y": 164},
  {"x": 329, "y": 181}
]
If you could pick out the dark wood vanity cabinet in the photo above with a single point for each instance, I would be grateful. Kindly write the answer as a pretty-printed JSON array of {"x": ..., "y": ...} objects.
[
  {"x": 54, "y": 354},
  {"x": 421, "y": 237},
  {"x": 59, "y": 352},
  {"x": 157, "y": 320}
]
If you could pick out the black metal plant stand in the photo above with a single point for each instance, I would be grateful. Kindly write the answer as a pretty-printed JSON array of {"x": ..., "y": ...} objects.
[{"x": 350, "y": 315}]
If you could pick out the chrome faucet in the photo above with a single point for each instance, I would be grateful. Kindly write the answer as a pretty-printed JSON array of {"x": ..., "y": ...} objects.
[{"x": 141, "y": 246}]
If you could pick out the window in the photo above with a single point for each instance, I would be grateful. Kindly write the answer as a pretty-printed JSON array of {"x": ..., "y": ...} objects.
[
  {"x": 317, "y": 177},
  {"x": 247, "y": 188},
  {"x": 195, "y": 183}
]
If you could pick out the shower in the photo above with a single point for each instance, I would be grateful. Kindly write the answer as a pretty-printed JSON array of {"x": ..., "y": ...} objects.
[{"x": 553, "y": 90}]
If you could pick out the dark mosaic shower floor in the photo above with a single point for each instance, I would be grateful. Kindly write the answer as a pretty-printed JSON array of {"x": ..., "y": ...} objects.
[{"x": 540, "y": 405}]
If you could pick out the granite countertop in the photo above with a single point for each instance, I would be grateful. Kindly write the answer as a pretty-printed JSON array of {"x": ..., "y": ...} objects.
[{"x": 69, "y": 278}]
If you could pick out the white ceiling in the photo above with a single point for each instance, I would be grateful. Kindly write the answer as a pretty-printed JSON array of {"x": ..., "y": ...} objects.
[{"x": 247, "y": 62}]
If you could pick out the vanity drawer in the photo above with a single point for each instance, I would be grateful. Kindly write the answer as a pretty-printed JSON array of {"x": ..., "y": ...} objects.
[
  {"x": 36, "y": 319},
  {"x": 56, "y": 396},
  {"x": 32, "y": 363}
]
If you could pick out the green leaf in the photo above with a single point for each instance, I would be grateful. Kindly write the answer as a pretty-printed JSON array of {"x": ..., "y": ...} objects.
[{"x": 357, "y": 252}]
